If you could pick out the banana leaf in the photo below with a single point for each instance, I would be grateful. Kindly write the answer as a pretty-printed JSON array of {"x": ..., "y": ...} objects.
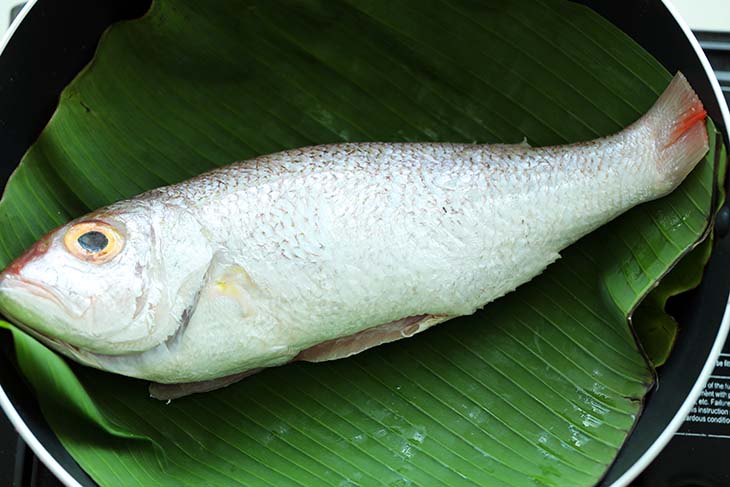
[{"x": 541, "y": 388}]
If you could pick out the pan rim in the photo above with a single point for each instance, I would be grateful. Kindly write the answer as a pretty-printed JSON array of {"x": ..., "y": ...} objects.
[
  {"x": 7, "y": 406},
  {"x": 625, "y": 479}
]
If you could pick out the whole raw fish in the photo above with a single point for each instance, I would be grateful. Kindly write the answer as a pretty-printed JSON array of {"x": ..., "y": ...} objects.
[{"x": 322, "y": 252}]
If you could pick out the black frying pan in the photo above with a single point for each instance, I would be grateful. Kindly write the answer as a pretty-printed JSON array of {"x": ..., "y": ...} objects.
[{"x": 54, "y": 40}]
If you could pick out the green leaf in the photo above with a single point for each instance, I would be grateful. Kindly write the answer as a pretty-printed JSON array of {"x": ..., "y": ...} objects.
[
  {"x": 67, "y": 405},
  {"x": 541, "y": 388},
  {"x": 656, "y": 330}
]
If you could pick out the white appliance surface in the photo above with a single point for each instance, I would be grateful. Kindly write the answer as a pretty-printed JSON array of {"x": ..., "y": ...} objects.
[{"x": 705, "y": 15}]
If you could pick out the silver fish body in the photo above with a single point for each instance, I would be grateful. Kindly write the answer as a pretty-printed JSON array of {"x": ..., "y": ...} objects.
[{"x": 321, "y": 252}]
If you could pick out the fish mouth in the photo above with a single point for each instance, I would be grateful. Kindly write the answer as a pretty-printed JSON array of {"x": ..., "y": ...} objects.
[
  {"x": 22, "y": 301},
  {"x": 10, "y": 283},
  {"x": 45, "y": 313},
  {"x": 17, "y": 295}
]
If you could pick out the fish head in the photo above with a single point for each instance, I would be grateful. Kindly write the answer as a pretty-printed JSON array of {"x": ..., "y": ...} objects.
[{"x": 93, "y": 284}]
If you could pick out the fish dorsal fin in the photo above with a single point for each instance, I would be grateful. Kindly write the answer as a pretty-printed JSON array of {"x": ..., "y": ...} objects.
[{"x": 388, "y": 332}]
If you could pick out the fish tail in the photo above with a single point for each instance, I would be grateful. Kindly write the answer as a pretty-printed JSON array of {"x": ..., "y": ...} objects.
[{"x": 677, "y": 121}]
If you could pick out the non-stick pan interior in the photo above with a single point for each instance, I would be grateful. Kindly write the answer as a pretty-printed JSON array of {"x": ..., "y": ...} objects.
[{"x": 56, "y": 39}]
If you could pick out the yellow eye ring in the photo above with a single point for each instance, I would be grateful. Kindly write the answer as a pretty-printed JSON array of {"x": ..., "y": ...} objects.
[{"x": 93, "y": 241}]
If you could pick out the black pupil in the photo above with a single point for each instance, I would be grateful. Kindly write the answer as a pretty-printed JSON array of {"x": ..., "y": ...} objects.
[{"x": 93, "y": 242}]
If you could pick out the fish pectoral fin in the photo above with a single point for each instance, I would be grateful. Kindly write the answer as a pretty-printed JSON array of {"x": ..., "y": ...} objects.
[
  {"x": 166, "y": 392},
  {"x": 190, "y": 292},
  {"x": 226, "y": 293},
  {"x": 352, "y": 344},
  {"x": 228, "y": 281}
]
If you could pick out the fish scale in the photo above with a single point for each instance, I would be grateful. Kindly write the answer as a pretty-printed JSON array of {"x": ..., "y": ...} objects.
[{"x": 321, "y": 252}]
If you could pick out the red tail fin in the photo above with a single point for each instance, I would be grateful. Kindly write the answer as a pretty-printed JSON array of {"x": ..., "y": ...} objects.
[
  {"x": 694, "y": 113},
  {"x": 677, "y": 121}
]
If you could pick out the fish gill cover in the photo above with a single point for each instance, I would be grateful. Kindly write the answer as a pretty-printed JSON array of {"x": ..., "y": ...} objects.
[{"x": 540, "y": 388}]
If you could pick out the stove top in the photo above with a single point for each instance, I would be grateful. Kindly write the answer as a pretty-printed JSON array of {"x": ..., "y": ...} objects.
[
  {"x": 696, "y": 456},
  {"x": 19, "y": 467}
]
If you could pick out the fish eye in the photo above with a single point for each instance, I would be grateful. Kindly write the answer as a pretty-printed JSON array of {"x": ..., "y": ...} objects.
[{"x": 93, "y": 241}]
